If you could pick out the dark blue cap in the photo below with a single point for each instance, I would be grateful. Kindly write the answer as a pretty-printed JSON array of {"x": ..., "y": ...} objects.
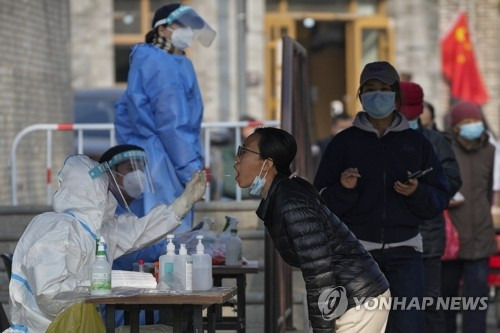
[{"x": 380, "y": 70}]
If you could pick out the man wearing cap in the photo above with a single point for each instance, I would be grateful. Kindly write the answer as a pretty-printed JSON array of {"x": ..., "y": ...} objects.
[
  {"x": 472, "y": 219},
  {"x": 162, "y": 109},
  {"x": 433, "y": 231},
  {"x": 363, "y": 177}
]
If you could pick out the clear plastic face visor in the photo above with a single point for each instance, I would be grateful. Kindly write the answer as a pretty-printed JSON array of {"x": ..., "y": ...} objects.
[
  {"x": 129, "y": 176},
  {"x": 185, "y": 16}
]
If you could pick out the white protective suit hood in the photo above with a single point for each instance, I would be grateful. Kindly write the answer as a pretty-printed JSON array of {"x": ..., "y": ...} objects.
[
  {"x": 56, "y": 251},
  {"x": 87, "y": 198}
]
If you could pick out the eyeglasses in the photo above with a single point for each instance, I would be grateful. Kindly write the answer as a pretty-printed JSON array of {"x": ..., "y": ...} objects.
[{"x": 242, "y": 149}]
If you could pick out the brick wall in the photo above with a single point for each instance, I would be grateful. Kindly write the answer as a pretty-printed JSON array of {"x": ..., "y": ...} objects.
[{"x": 34, "y": 88}]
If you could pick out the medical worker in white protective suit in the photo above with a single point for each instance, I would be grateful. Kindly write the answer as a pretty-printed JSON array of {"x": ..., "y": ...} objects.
[
  {"x": 57, "y": 249},
  {"x": 162, "y": 109}
]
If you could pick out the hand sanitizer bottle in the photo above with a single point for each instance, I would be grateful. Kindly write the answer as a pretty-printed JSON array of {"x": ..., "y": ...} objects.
[
  {"x": 183, "y": 269},
  {"x": 202, "y": 267},
  {"x": 167, "y": 262},
  {"x": 101, "y": 272}
]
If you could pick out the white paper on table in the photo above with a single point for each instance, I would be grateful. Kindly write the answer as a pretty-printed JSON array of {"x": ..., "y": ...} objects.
[{"x": 132, "y": 279}]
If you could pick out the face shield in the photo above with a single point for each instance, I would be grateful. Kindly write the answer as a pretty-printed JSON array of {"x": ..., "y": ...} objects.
[
  {"x": 185, "y": 16},
  {"x": 130, "y": 178}
]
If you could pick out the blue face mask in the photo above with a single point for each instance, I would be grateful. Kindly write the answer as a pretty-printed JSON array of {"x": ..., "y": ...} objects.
[
  {"x": 378, "y": 104},
  {"x": 413, "y": 124},
  {"x": 258, "y": 183},
  {"x": 471, "y": 131}
]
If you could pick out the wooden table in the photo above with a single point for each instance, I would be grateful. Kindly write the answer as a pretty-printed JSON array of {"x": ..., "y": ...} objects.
[
  {"x": 239, "y": 273},
  {"x": 196, "y": 301}
]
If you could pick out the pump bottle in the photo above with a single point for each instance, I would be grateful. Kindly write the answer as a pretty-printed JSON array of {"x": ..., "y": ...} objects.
[
  {"x": 101, "y": 272},
  {"x": 233, "y": 249},
  {"x": 183, "y": 269},
  {"x": 167, "y": 262},
  {"x": 202, "y": 267}
]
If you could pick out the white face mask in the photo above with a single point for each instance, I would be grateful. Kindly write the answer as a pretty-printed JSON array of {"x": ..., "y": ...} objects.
[
  {"x": 133, "y": 183},
  {"x": 182, "y": 38}
]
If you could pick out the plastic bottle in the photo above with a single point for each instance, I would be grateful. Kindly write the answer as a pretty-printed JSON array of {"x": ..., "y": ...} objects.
[
  {"x": 183, "y": 269},
  {"x": 231, "y": 224},
  {"x": 202, "y": 267},
  {"x": 157, "y": 265},
  {"x": 141, "y": 265},
  {"x": 233, "y": 249},
  {"x": 167, "y": 262},
  {"x": 101, "y": 272}
]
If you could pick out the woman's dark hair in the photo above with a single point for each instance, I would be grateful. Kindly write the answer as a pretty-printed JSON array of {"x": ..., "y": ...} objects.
[
  {"x": 150, "y": 36},
  {"x": 396, "y": 87},
  {"x": 430, "y": 107},
  {"x": 277, "y": 145},
  {"x": 160, "y": 14},
  {"x": 432, "y": 111}
]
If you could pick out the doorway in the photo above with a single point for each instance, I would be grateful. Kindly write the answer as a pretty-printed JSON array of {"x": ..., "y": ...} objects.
[
  {"x": 338, "y": 46},
  {"x": 326, "y": 48}
]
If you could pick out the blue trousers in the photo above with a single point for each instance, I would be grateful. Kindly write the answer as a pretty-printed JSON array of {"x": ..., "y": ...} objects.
[
  {"x": 474, "y": 274},
  {"x": 403, "y": 267},
  {"x": 434, "y": 317}
]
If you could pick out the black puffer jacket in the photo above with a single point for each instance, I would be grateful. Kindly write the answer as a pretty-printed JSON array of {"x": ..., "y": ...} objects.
[
  {"x": 433, "y": 231},
  {"x": 309, "y": 236}
]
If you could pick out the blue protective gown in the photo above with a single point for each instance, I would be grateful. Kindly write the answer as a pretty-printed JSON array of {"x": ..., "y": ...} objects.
[
  {"x": 161, "y": 111},
  {"x": 126, "y": 262}
]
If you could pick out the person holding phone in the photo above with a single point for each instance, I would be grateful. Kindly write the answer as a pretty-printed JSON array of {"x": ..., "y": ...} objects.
[{"x": 360, "y": 176}]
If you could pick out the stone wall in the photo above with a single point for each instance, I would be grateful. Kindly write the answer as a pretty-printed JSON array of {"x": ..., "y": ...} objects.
[
  {"x": 92, "y": 50},
  {"x": 35, "y": 85},
  {"x": 217, "y": 67}
]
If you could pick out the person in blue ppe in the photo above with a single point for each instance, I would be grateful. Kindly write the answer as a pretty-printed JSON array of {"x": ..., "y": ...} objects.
[{"x": 161, "y": 109}]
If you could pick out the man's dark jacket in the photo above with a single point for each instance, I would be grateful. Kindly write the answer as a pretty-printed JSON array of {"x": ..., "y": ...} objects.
[
  {"x": 433, "y": 231},
  {"x": 373, "y": 210}
]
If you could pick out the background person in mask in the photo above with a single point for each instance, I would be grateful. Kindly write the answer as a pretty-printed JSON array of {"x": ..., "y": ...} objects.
[
  {"x": 473, "y": 218},
  {"x": 162, "y": 109},
  {"x": 363, "y": 177},
  {"x": 433, "y": 230},
  {"x": 57, "y": 249}
]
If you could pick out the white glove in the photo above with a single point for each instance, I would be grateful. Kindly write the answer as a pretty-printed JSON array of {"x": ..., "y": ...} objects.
[{"x": 195, "y": 188}]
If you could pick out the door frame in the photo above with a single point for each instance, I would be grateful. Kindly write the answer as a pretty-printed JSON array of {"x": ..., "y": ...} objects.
[{"x": 278, "y": 24}]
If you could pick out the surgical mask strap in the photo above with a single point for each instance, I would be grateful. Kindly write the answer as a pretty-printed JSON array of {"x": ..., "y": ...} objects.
[
  {"x": 119, "y": 191},
  {"x": 263, "y": 169}
]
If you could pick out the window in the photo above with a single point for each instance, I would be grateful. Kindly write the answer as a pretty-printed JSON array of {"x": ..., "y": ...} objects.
[{"x": 132, "y": 21}]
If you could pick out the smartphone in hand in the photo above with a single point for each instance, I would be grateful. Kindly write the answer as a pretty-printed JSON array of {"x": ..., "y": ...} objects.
[{"x": 416, "y": 174}]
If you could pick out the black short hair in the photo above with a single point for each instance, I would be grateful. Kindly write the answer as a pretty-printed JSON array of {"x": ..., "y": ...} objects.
[
  {"x": 111, "y": 152},
  {"x": 277, "y": 145}
]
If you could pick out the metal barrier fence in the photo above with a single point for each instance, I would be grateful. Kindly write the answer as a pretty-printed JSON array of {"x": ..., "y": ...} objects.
[{"x": 207, "y": 130}]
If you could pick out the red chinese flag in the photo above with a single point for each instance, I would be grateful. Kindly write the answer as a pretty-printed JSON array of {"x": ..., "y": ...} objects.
[{"x": 459, "y": 63}]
